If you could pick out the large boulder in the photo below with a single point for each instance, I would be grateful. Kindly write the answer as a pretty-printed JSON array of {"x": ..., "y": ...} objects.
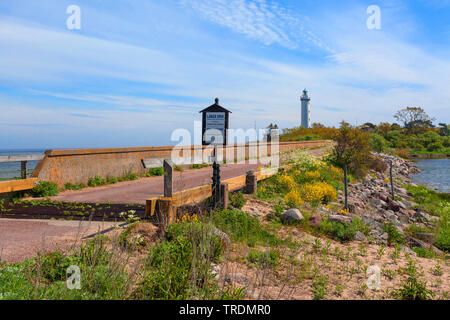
[
  {"x": 315, "y": 220},
  {"x": 359, "y": 236},
  {"x": 224, "y": 238},
  {"x": 339, "y": 218},
  {"x": 291, "y": 215}
]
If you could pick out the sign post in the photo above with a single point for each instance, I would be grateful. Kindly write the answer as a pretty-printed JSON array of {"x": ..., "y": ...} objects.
[{"x": 215, "y": 124}]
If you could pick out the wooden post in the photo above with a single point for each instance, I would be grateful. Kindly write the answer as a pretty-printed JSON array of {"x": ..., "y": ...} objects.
[
  {"x": 216, "y": 189},
  {"x": 392, "y": 180},
  {"x": 168, "y": 178},
  {"x": 23, "y": 169},
  {"x": 345, "y": 186},
  {"x": 165, "y": 212},
  {"x": 251, "y": 182},
  {"x": 224, "y": 195}
]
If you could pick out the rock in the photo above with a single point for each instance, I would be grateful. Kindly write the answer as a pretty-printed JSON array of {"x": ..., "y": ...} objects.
[
  {"x": 402, "y": 191},
  {"x": 215, "y": 270},
  {"x": 383, "y": 197},
  {"x": 407, "y": 249},
  {"x": 224, "y": 238},
  {"x": 393, "y": 205},
  {"x": 401, "y": 205},
  {"x": 418, "y": 243},
  {"x": 408, "y": 203},
  {"x": 291, "y": 215},
  {"x": 384, "y": 236},
  {"x": 374, "y": 233},
  {"x": 270, "y": 216},
  {"x": 236, "y": 277},
  {"x": 379, "y": 203},
  {"x": 359, "y": 236},
  {"x": 426, "y": 236},
  {"x": 422, "y": 215},
  {"x": 371, "y": 222},
  {"x": 315, "y": 220},
  {"x": 339, "y": 218}
]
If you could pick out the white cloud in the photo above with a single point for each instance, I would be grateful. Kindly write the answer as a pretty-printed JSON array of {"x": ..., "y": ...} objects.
[{"x": 265, "y": 21}]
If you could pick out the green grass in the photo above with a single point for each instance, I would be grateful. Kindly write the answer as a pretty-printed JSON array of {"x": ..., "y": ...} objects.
[
  {"x": 45, "y": 189},
  {"x": 199, "y": 165},
  {"x": 237, "y": 199},
  {"x": 44, "y": 277},
  {"x": 413, "y": 288},
  {"x": 394, "y": 236},
  {"x": 71, "y": 186},
  {"x": 270, "y": 258},
  {"x": 96, "y": 181},
  {"x": 342, "y": 231},
  {"x": 444, "y": 151},
  {"x": 243, "y": 228},
  {"x": 180, "y": 266},
  {"x": 155, "y": 172},
  {"x": 437, "y": 204}
]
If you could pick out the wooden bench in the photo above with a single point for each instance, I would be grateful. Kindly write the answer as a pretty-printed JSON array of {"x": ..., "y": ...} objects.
[
  {"x": 23, "y": 159},
  {"x": 153, "y": 163}
]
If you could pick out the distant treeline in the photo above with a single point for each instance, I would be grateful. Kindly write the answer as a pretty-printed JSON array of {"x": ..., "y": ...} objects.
[{"x": 414, "y": 133}]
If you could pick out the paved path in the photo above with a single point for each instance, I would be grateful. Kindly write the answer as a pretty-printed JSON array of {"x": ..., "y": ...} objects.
[
  {"x": 21, "y": 239},
  {"x": 144, "y": 188}
]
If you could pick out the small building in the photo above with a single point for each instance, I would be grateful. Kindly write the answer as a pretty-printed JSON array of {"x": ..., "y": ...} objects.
[
  {"x": 215, "y": 120},
  {"x": 306, "y": 109}
]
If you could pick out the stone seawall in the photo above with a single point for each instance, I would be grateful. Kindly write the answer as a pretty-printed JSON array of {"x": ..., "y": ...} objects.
[{"x": 78, "y": 165}]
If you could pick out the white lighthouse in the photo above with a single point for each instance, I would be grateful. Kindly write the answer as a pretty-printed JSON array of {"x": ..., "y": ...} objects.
[{"x": 306, "y": 109}]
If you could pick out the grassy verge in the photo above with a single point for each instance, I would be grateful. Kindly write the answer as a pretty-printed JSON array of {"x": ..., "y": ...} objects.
[{"x": 436, "y": 204}]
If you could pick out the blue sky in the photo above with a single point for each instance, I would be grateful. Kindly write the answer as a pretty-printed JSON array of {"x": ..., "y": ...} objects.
[{"x": 139, "y": 69}]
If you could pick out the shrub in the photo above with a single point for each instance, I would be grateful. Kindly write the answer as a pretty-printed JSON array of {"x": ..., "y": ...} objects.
[
  {"x": 394, "y": 236},
  {"x": 71, "y": 186},
  {"x": 293, "y": 199},
  {"x": 377, "y": 165},
  {"x": 180, "y": 267},
  {"x": 435, "y": 146},
  {"x": 351, "y": 149},
  {"x": 413, "y": 288},
  {"x": 156, "y": 172},
  {"x": 343, "y": 231},
  {"x": 402, "y": 153},
  {"x": 199, "y": 165},
  {"x": 131, "y": 176},
  {"x": 318, "y": 192},
  {"x": 53, "y": 266},
  {"x": 442, "y": 240},
  {"x": 312, "y": 175},
  {"x": 287, "y": 182},
  {"x": 45, "y": 189},
  {"x": 237, "y": 199},
  {"x": 424, "y": 253},
  {"x": 319, "y": 287},
  {"x": 112, "y": 180},
  {"x": 243, "y": 228},
  {"x": 377, "y": 142},
  {"x": 96, "y": 181}
]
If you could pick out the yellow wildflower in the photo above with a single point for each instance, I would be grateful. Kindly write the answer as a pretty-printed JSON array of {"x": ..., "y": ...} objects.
[{"x": 293, "y": 199}]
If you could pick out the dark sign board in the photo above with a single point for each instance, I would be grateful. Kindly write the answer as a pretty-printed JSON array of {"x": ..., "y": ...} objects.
[{"x": 215, "y": 124}]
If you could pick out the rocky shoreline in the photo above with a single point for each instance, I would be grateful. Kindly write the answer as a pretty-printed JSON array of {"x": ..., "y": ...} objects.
[{"x": 371, "y": 201}]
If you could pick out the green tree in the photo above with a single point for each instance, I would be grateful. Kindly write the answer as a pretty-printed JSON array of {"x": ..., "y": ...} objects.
[
  {"x": 352, "y": 149},
  {"x": 413, "y": 117},
  {"x": 377, "y": 142}
]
